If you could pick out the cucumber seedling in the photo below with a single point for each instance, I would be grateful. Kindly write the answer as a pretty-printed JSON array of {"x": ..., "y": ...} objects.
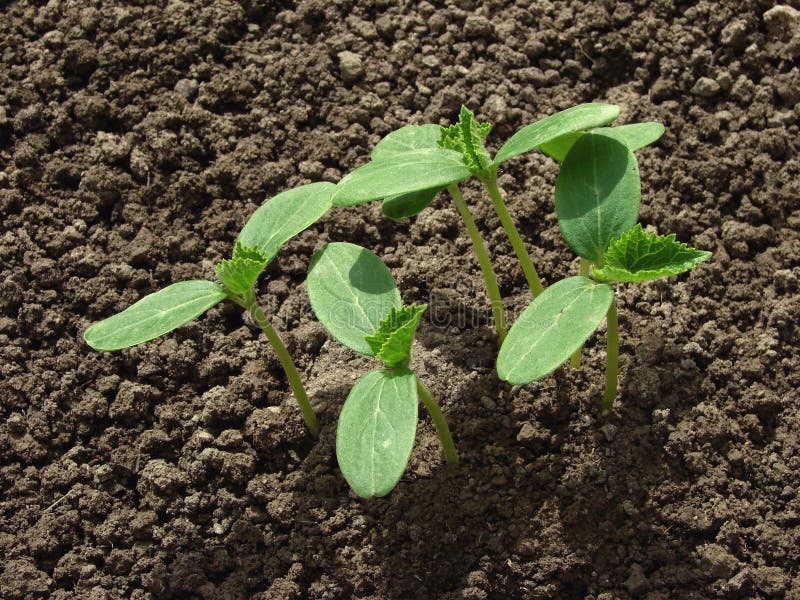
[
  {"x": 597, "y": 204},
  {"x": 356, "y": 298},
  {"x": 273, "y": 224},
  {"x": 411, "y": 165}
]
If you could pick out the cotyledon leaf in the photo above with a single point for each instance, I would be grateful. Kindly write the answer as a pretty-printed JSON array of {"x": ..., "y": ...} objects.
[
  {"x": 633, "y": 136},
  {"x": 395, "y": 174},
  {"x": 284, "y": 216},
  {"x": 576, "y": 118},
  {"x": 155, "y": 315},
  {"x": 376, "y": 430},
  {"x": 405, "y": 139},
  {"x": 351, "y": 291},
  {"x": 640, "y": 256},
  {"x": 408, "y": 205},
  {"x": 553, "y": 326},
  {"x": 597, "y": 194}
]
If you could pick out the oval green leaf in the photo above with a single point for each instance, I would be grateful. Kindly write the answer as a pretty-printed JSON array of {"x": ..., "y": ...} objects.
[
  {"x": 351, "y": 291},
  {"x": 280, "y": 219},
  {"x": 408, "y": 205},
  {"x": 376, "y": 431},
  {"x": 553, "y": 326},
  {"x": 155, "y": 315},
  {"x": 634, "y": 137},
  {"x": 597, "y": 194},
  {"x": 396, "y": 174},
  {"x": 577, "y": 118},
  {"x": 405, "y": 139}
]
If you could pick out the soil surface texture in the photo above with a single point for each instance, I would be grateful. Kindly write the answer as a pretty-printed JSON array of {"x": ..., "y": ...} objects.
[{"x": 136, "y": 138}]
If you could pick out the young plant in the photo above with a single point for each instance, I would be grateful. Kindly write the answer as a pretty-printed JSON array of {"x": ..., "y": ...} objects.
[
  {"x": 273, "y": 224},
  {"x": 356, "y": 298},
  {"x": 411, "y": 165},
  {"x": 597, "y": 204}
]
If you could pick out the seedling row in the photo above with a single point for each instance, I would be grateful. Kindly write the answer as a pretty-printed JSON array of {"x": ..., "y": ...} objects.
[{"x": 355, "y": 296}]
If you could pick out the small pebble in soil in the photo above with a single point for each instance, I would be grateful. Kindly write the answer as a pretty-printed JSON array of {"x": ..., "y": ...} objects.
[
  {"x": 782, "y": 22},
  {"x": 187, "y": 88},
  {"x": 609, "y": 431},
  {"x": 350, "y": 66},
  {"x": 706, "y": 87}
]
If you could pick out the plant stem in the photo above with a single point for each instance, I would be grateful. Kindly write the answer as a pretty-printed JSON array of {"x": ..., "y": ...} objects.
[
  {"x": 575, "y": 359},
  {"x": 251, "y": 306},
  {"x": 513, "y": 235},
  {"x": 439, "y": 422},
  {"x": 612, "y": 356},
  {"x": 492, "y": 289}
]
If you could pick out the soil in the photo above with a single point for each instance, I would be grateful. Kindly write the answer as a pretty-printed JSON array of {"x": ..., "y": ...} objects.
[{"x": 136, "y": 139}]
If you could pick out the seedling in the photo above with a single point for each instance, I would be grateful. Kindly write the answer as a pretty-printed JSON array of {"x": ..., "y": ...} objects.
[
  {"x": 356, "y": 298},
  {"x": 273, "y": 224},
  {"x": 411, "y": 165},
  {"x": 597, "y": 204}
]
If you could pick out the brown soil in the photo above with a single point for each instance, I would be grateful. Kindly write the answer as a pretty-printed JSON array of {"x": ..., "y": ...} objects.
[{"x": 134, "y": 142}]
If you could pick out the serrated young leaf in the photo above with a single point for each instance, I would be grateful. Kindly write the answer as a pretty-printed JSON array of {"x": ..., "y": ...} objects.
[
  {"x": 251, "y": 253},
  {"x": 391, "y": 343},
  {"x": 641, "y": 256},
  {"x": 239, "y": 274},
  {"x": 467, "y": 137}
]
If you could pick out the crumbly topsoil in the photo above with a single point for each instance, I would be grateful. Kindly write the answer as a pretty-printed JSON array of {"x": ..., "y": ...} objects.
[{"x": 136, "y": 139}]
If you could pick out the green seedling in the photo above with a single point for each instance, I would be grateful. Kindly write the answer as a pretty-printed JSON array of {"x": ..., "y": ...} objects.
[
  {"x": 273, "y": 224},
  {"x": 597, "y": 204},
  {"x": 356, "y": 298},
  {"x": 411, "y": 165}
]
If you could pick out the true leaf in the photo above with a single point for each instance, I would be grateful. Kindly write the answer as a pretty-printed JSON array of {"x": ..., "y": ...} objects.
[
  {"x": 391, "y": 343},
  {"x": 408, "y": 205},
  {"x": 247, "y": 253},
  {"x": 466, "y": 137},
  {"x": 577, "y": 118},
  {"x": 351, "y": 291},
  {"x": 640, "y": 256},
  {"x": 155, "y": 315},
  {"x": 634, "y": 137},
  {"x": 553, "y": 326},
  {"x": 597, "y": 194},
  {"x": 392, "y": 175},
  {"x": 240, "y": 273},
  {"x": 405, "y": 139},
  {"x": 376, "y": 431},
  {"x": 284, "y": 216}
]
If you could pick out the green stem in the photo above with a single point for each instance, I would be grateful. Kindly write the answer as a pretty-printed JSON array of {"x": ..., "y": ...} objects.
[
  {"x": 492, "y": 289},
  {"x": 513, "y": 235},
  {"x": 251, "y": 306},
  {"x": 575, "y": 359},
  {"x": 612, "y": 357},
  {"x": 439, "y": 422}
]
